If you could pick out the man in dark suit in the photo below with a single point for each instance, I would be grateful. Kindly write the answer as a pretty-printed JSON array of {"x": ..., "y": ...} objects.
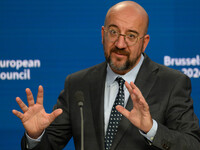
[{"x": 158, "y": 110}]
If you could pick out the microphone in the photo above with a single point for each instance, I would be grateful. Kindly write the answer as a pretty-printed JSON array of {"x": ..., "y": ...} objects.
[{"x": 80, "y": 99}]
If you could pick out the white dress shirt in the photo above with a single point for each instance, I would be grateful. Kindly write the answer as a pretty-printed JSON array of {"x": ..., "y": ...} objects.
[{"x": 111, "y": 90}]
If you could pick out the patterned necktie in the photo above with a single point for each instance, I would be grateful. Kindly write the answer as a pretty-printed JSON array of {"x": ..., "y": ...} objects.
[{"x": 115, "y": 116}]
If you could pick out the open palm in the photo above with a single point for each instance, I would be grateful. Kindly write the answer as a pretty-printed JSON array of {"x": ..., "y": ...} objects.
[
  {"x": 34, "y": 118},
  {"x": 139, "y": 115}
]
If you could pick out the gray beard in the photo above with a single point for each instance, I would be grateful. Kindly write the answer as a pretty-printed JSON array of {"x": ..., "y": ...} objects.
[
  {"x": 123, "y": 67},
  {"x": 126, "y": 66}
]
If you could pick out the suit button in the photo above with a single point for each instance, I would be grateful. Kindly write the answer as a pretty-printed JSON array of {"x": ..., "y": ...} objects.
[{"x": 165, "y": 146}]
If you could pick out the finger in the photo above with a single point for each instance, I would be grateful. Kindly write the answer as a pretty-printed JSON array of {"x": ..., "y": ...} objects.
[
  {"x": 21, "y": 104},
  {"x": 128, "y": 86},
  {"x": 136, "y": 95},
  {"x": 140, "y": 98},
  {"x": 123, "y": 110},
  {"x": 17, "y": 113},
  {"x": 30, "y": 98},
  {"x": 40, "y": 95},
  {"x": 130, "y": 89},
  {"x": 138, "y": 92},
  {"x": 55, "y": 114}
]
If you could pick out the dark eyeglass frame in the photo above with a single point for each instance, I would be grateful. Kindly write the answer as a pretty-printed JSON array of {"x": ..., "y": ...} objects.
[{"x": 124, "y": 35}]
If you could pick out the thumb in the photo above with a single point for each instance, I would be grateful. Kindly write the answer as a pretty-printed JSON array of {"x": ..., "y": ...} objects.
[{"x": 55, "y": 114}]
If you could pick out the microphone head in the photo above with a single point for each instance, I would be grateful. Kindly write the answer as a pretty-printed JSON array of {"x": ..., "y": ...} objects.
[{"x": 79, "y": 97}]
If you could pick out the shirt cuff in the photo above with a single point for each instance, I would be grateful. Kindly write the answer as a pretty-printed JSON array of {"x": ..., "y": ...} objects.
[
  {"x": 151, "y": 134},
  {"x": 31, "y": 143}
]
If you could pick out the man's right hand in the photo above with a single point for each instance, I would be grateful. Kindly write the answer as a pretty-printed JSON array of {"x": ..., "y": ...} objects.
[{"x": 34, "y": 118}]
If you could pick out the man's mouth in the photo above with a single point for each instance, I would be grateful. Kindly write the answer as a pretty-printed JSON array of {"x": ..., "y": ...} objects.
[{"x": 120, "y": 53}]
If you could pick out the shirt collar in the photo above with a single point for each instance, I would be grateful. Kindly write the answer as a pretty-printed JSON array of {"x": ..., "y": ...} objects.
[{"x": 129, "y": 76}]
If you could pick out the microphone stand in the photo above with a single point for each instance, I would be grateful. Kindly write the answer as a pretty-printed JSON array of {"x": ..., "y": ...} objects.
[
  {"x": 79, "y": 97},
  {"x": 82, "y": 128}
]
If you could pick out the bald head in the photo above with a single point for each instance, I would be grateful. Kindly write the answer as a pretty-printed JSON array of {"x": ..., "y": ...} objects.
[{"x": 129, "y": 8}]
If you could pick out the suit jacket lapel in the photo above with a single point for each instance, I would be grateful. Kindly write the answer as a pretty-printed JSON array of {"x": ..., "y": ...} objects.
[
  {"x": 144, "y": 81},
  {"x": 146, "y": 76},
  {"x": 97, "y": 86}
]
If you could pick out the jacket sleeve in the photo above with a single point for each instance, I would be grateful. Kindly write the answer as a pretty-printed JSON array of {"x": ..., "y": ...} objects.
[{"x": 180, "y": 130}]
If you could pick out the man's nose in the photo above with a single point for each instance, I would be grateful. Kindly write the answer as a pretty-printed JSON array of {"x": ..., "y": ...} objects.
[{"x": 121, "y": 43}]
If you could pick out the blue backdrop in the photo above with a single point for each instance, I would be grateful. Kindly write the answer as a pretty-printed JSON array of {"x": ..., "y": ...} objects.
[{"x": 42, "y": 41}]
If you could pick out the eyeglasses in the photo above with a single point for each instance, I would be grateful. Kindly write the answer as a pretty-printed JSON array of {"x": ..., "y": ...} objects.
[{"x": 130, "y": 38}]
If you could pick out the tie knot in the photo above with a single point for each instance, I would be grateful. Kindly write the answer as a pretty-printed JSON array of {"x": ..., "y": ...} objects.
[{"x": 120, "y": 81}]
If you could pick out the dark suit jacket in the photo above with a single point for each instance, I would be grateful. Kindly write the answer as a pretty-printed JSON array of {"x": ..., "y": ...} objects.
[{"x": 166, "y": 91}]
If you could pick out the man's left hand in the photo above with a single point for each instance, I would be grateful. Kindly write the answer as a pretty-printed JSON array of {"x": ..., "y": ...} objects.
[{"x": 140, "y": 115}]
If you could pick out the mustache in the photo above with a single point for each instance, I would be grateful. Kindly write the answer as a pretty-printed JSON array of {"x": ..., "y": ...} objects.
[{"x": 119, "y": 51}]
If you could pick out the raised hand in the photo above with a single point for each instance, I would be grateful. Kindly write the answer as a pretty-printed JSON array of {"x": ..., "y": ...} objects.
[
  {"x": 34, "y": 118},
  {"x": 140, "y": 115}
]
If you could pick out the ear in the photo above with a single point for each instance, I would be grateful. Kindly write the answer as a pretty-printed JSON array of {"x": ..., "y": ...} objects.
[
  {"x": 102, "y": 33},
  {"x": 146, "y": 41}
]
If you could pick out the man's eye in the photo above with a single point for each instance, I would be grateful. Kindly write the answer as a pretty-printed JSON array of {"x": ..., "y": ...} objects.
[
  {"x": 131, "y": 36},
  {"x": 113, "y": 32}
]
